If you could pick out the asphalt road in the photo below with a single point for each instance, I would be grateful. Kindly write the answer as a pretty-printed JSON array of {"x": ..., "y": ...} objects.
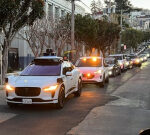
[{"x": 47, "y": 120}]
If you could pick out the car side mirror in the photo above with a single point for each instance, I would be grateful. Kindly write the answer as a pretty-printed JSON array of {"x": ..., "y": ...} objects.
[
  {"x": 145, "y": 132},
  {"x": 68, "y": 74}
]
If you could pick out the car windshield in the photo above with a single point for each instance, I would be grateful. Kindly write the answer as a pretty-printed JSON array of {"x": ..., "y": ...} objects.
[
  {"x": 42, "y": 69},
  {"x": 89, "y": 63},
  {"x": 110, "y": 61},
  {"x": 117, "y": 57}
]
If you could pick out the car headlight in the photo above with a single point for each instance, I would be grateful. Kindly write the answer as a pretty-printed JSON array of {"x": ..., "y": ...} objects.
[
  {"x": 127, "y": 63},
  {"x": 110, "y": 72},
  {"x": 137, "y": 60},
  {"x": 141, "y": 59},
  {"x": 50, "y": 88},
  {"x": 148, "y": 55},
  {"x": 98, "y": 72},
  {"x": 120, "y": 63},
  {"x": 110, "y": 68},
  {"x": 9, "y": 87}
]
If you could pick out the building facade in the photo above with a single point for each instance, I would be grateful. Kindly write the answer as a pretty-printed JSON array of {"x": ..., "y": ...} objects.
[
  {"x": 20, "y": 54},
  {"x": 140, "y": 20}
]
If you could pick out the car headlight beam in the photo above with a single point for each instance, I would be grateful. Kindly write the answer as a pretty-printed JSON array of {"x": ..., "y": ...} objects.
[
  {"x": 50, "y": 88},
  {"x": 9, "y": 87}
]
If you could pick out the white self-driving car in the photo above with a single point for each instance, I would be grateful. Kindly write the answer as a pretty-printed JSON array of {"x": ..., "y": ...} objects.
[
  {"x": 94, "y": 70},
  {"x": 48, "y": 79}
]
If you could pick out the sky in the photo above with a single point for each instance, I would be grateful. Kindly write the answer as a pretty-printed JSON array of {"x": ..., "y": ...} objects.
[{"x": 136, "y": 3}]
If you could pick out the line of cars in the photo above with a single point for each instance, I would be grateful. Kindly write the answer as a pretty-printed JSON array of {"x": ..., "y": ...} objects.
[{"x": 50, "y": 79}]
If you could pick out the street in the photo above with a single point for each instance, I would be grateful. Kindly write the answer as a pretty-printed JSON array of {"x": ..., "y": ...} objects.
[{"x": 47, "y": 120}]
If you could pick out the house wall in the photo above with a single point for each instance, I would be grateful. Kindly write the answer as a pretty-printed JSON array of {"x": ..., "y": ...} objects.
[{"x": 56, "y": 8}]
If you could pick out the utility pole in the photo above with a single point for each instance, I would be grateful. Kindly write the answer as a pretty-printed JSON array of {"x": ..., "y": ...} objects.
[
  {"x": 119, "y": 45},
  {"x": 72, "y": 27}
]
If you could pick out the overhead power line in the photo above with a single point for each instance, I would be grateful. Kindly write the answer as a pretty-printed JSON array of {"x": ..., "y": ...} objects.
[{"x": 85, "y": 4}]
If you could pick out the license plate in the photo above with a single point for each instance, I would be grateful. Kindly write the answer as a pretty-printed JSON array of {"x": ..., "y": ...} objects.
[{"x": 27, "y": 101}]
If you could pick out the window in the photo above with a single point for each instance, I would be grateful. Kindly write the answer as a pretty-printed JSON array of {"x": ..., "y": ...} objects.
[
  {"x": 57, "y": 15},
  {"x": 62, "y": 13},
  {"x": 43, "y": 68},
  {"x": 50, "y": 10}
]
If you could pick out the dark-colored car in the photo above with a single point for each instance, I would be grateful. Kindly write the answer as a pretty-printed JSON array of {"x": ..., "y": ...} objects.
[{"x": 114, "y": 67}]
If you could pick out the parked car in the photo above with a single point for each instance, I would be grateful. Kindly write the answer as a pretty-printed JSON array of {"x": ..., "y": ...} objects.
[
  {"x": 121, "y": 60},
  {"x": 94, "y": 70},
  {"x": 114, "y": 67},
  {"x": 48, "y": 79}
]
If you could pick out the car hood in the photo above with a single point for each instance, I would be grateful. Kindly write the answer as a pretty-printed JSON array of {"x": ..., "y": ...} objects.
[
  {"x": 85, "y": 70},
  {"x": 33, "y": 81}
]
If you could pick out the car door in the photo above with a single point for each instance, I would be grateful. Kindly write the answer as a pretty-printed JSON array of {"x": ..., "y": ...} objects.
[
  {"x": 75, "y": 74},
  {"x": 68, "y": 79}
]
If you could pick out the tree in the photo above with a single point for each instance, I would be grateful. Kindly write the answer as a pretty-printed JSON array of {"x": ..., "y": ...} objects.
[
  {"x": 124, "y": 5},
  {"x": 98, "y": 34},
  {"x": 132, "y": 38},
  {"x": 15, "y": 14},
  {"x": 36, "y": 36},
  {"x": 43, "y": 32},
  {"x": 94, "y": 7}
]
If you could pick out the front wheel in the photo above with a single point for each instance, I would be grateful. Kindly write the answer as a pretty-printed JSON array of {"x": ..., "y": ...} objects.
[
  {"x": 78, "y": 92},
  {"x": 61, "y": 98},
  {"x": 107, "y": 80},
  {"x": 102, "y": 84}
]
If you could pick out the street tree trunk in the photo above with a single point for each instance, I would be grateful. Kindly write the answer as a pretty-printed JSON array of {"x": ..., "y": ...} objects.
[{"x": 5, "y": 59}]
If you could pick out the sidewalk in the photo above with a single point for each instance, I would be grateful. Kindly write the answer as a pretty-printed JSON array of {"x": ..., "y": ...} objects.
[{"x": 125, "y": 116}]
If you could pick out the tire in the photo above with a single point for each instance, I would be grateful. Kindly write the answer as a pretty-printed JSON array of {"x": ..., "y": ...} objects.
[
  {"x": 119, "y": 72},
  {"x": 102, "y": 84},
  {"x": 79, "y": 91},
  {"x": 107, "y": 80},
  {"x": 114, "y": 73},
  {"x": 11, "y": 105},
  {"x": 61, "y": 98},
  {"x": 139, "y": 65}
]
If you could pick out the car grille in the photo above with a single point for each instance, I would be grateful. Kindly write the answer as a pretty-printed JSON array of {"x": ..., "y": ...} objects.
[{"x": 27, "y": 91}]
